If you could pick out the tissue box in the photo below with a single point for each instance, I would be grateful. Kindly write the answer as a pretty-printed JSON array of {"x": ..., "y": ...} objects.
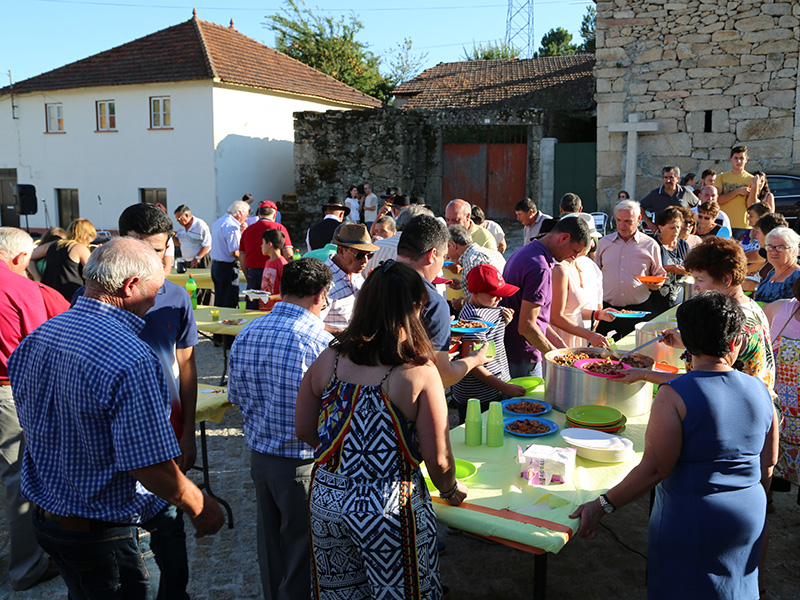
[{"x": 543, "y": 465}]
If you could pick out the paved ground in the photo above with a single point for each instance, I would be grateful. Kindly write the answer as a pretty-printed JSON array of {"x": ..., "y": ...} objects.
[{"x": 224, "y": 567}]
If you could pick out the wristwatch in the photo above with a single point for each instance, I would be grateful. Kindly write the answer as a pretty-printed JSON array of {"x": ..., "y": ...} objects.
[{"x": 605, "y": 504}]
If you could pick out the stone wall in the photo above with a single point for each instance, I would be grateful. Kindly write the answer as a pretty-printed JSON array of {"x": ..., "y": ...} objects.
[
  {"x": 400, "y": 148},
  {"x": 711, "y": 73}
]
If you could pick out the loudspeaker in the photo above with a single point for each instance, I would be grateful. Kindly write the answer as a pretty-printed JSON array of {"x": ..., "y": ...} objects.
[{"x": 26, "y": 198}]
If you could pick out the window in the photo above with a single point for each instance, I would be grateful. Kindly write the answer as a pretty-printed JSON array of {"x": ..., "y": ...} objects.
[
  {"x": 159, "y": 113},
  {"x": 68, "y": 209},
  {"x": 55, "y": 117},
  {"x": 106, "y": 116},
  {"x": 153, "y": 196}
]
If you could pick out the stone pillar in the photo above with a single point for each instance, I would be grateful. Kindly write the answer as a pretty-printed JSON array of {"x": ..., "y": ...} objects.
[{"x": 547, "y": 174}]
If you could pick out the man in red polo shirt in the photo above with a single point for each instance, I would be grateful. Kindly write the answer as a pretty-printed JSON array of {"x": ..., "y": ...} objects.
[
  {"x": 250, "y": 255},
  {"x": 22, "y": 309}
]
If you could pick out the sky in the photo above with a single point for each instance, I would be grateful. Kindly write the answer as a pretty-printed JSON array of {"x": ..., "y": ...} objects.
[{"x": 40, "y": 35}]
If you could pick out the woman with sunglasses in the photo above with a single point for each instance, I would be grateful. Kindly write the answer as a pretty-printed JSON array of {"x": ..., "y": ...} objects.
[
  {"x": 373, "y": 407},
  {"x": 781, "y": 246}
]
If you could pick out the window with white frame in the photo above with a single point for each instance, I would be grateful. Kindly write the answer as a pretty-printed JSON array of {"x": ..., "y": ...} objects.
[
  {"x": 55, "y": 117},
  {"x": 106, "y": 116},
  {"x": 160, "y": 117}
]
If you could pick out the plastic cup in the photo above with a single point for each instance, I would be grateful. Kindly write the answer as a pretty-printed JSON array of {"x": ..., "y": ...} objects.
[
  {"x": 242, "y": 306},
  {"x": 473, "y": 424},
  {"x": 491, "y": 351},
  {"x": 494, "y": 425},
  {"x": 215, "y": 314}
]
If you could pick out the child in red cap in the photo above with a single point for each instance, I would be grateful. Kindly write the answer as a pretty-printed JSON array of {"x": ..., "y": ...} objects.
[{"x": 489, "y": 382}]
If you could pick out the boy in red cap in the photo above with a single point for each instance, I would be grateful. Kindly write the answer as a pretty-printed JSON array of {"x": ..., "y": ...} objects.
[{"x": 490, "y": 381}]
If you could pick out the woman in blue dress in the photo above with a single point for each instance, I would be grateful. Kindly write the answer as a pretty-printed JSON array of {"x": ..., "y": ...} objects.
[{"x": 711, "y": 445}]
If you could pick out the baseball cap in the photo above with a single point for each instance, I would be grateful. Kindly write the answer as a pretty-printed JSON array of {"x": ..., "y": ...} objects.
[
  {"x": 268, "y": 204},
  {"x": 486, "y": 279}
]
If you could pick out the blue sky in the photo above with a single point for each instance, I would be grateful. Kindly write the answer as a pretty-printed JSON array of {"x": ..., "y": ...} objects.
[{"x": 40, "y": 35}]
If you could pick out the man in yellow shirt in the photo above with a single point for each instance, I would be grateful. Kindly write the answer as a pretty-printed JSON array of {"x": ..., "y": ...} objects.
[
  {"x": 734, "y": 188},
  {"x": 459, "y": 212}
]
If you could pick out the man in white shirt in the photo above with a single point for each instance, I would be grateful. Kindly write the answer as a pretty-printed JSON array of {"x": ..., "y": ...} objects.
[
  {"x": 226, "y": 233},
  {"x": 531, "y": 218},
  {"x": 194, "y": 238}
]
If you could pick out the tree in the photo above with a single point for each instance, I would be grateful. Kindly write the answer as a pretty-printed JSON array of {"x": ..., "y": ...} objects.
[
  {"x": 556, "y": 42},
  {"x": 588, "y": 24},
  {"x": 329, "y": 45},
  {"x": 404, "y": 64},
  {"x": 492, "y": 51}
]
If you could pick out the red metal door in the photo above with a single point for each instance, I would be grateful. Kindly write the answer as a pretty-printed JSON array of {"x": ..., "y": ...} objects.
[
  {"x": 492, "y": 176},
  {"x": 507, "y": 179}
]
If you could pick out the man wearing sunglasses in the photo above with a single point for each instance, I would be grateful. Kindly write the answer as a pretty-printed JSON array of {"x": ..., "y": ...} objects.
[{"x": 355, "y": 248}]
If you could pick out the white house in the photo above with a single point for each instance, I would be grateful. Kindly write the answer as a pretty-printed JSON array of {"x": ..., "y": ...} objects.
[{"x": 195, "y": 114}]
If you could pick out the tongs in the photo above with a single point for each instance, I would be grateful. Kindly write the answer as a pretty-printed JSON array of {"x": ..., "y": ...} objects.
[{"x": 614, "y": 356}]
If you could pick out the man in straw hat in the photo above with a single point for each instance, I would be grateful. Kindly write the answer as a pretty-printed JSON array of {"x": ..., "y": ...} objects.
[
  {"x": 320, "y": 234},
  {"x": 354, "y": 250}
]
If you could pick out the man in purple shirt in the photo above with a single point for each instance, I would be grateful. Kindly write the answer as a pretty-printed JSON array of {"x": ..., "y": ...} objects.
[{"x": 530, "y": 269}]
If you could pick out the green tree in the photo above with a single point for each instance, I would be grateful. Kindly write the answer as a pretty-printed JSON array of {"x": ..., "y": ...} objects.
[
  {"x": 329, "y": 44},
  {"x": 557, "y": 42},
  {"x": 588, "y": 25},
  {"x": 492, "y": 51},
  {"x": 404, "y": 64}
]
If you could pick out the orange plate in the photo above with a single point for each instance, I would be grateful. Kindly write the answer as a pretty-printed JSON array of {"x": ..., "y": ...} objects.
[
  {"x": 651, "y": 278},
  {"x": 665, "y": 367}
]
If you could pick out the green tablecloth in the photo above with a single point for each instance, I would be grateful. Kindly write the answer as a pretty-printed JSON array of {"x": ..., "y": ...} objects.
[
  {"x": 202, "y": 315},
  {"x": 536, "y": 517}
]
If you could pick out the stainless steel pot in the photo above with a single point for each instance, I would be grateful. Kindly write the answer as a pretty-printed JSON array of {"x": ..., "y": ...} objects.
[
  {"x": 659, "y": 352},
  {"x": 566, "y": 387}
]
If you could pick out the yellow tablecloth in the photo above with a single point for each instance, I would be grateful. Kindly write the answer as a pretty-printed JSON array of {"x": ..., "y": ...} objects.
[
  {"x": 451, "y": 293},
  {"x": 212, "y": 402},
  {"x": 202, "y": 314},
  {"x": 534, "y": 516},
  {"x": 202, "y": 277}
]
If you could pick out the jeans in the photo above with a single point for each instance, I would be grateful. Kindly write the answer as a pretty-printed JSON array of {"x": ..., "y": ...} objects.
[
  {"x": 225, "y": 276},
  {"x": 97, "y": 565},
  {"x": 168, "y": 543},
  {"x": 253, "y": 283},
  {"x": 525, "y": 369}
]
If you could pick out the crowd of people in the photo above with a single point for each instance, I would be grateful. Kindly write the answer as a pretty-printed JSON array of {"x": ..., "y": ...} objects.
[{"x": 342, "y": 384}]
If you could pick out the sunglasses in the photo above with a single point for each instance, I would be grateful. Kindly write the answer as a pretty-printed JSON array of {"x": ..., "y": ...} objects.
[{"x": 361, "y": 255}]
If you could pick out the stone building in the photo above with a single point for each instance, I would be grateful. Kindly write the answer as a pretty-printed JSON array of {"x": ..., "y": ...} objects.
[
  {"x": 682, "y": 81},
  {"x": 482, "y": 130}
]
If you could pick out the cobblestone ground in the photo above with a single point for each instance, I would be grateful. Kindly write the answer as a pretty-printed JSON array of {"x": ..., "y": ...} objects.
[{"x": 225, "y": 567}]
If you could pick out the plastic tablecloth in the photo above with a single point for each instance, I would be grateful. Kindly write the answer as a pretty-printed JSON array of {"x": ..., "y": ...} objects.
[
  {"x": 202, "y": 277},
  {"x": 202, "y": 315},
  {"x": 212, "y": 402}
]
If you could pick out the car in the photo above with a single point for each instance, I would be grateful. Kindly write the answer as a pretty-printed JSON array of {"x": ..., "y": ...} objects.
[{"x": 786, "y": 189}]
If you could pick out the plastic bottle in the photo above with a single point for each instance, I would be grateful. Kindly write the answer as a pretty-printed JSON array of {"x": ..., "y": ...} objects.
[
  {"x": 495, "y": 430},
  {"x": 296, "y": 254},
  {"x": 191, "y": 288},
  {"x": 473, "y": 424}
]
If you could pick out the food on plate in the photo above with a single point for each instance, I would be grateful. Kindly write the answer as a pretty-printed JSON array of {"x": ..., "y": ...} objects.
[
  {"x": 233, "y": 321},
  {"x": 568, "y": 359},
  {"x": 462, "y": 324},
  {"x": 525, "y": 407},
  {"x": 528, "y": 427},
  {"x": 606, "y": 367},
  {"x": 638, "y": 361}
]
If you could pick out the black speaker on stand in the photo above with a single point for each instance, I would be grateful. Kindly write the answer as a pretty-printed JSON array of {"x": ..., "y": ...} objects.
[{"x": 25, "y": 194}]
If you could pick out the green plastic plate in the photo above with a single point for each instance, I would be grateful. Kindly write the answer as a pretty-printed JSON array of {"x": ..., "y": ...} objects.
[{"x": 591, "y": 414}]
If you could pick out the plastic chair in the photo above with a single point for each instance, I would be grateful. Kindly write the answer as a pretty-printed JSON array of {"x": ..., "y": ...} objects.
[{"x": 600, "y": 221}]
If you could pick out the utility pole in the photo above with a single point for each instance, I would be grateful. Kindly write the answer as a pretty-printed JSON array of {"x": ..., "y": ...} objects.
[{"x": 519, "y": 26}]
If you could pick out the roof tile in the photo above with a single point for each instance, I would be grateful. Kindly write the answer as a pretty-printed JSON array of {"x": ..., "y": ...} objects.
[{"x": 196, "y": 50}]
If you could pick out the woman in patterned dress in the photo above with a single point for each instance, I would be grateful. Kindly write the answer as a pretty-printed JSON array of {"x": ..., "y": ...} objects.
[{"x": 373, "y": 407}]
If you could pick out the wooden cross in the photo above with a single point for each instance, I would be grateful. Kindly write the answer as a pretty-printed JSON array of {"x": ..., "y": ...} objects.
[{"x": 633, "y": 127}]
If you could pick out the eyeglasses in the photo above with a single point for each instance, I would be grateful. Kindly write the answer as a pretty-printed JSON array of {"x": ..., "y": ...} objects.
[
  {"x": 780, "y": 249},
  {"x": 360, "y": 255}
]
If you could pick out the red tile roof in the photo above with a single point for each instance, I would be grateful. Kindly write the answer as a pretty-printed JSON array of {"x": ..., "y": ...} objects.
[
  {"x": 196, "y": 50},
  {"x": 562, "y": 82}
]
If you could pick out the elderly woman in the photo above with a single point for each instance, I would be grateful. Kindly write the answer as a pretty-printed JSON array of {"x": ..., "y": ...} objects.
[
  {"x": 673, "y": 253},
  {"x": 719, "y": 264},
  {"x": 373, "y": 407},
  {"x": 707, "y": 214},
  {"x": 757, "y": 265},
  {"x": 782, "y": 246},
  {"x": 711, "y": 445}
]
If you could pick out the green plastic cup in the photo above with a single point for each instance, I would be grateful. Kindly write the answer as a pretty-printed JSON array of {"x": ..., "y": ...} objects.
[
  {"x": 242, "y": 306},
  {"x": 473, "y": 424},
  {"x": 494, "y": 425}
]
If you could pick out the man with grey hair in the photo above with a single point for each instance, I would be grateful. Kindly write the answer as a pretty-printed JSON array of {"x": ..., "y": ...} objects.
[
  {"x": 669, "y": 194},
  {"x": 468, "y": 255},
  {"x": 21, "y": 311},
  {"x": 459, "y": 212},
  {"x": 384, "y": 228},
  {"x": 96, "y": 422},
  {"x": 226, "y": 234},
  {"x": 622, "y": 257}
]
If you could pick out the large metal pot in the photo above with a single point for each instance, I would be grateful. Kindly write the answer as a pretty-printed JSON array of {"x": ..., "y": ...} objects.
[
  {"x": 566, "y": 387},
  {"x": 659, "y": 352}
]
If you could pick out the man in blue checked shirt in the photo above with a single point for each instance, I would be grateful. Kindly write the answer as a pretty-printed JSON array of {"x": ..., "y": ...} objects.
[
  {"x": 94, "y": 405},
  {"x": 268, "y": 361}
]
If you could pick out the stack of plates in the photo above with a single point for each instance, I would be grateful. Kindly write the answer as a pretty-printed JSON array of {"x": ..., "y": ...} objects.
[
  {"x": 598, "y": 446},
  {"x": 600, "y": 418}
]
